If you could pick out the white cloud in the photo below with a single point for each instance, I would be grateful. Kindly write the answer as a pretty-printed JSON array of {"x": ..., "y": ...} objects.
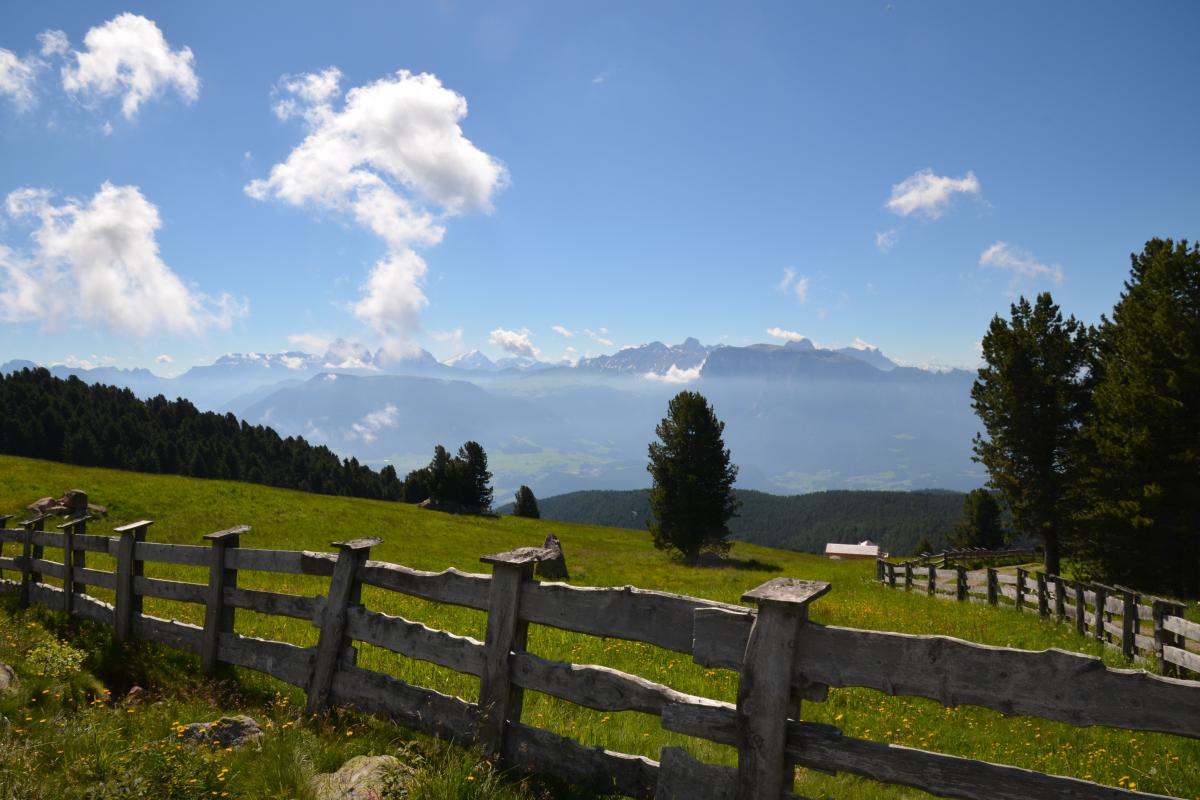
[
  {"x": 928, "y": 193},
  {"x": 310, "y": 342},
  {"x": 886, "y": 240},
  {"x": 797, "y": 284},
  {"x": 128, "y": 56},
  {"x": 54, "y": 43},
  {"x": 17, "y": 78},
  {"x": 563, "y": 331},
  {"x": 452, "y": 339},
  {"x": 787, "y": 336},
  {"x": 394, "y": 159},
  {"x": 164, "y": 359},
  {"x": 77, "y": 363},
  {"x": 98, "y": 263},
  {"x": 515, "y": 342},
  {"x": 1020, "y": 262},
  {"x": 599, "y": 336},
  {"x": 675, "y": 375},
  {"x": 367, "y": 429}
]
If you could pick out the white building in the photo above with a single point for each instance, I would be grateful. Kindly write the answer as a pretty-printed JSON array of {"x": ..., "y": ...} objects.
[{"x": 864, "y": 549}]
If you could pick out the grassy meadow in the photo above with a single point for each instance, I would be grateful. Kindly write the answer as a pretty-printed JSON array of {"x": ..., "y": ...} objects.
[{"x": 45, "y": 754}]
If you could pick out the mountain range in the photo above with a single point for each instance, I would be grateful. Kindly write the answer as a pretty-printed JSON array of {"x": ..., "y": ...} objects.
[{"x": 798, "y": 418}]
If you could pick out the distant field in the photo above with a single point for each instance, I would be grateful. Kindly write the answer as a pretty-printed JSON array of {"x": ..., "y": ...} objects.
[{"x": 184, "y": 509}]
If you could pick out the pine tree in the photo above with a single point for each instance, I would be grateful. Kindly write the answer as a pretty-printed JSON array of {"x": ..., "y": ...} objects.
[
  {"x": 980, "y": 525},
  {"x": 475, "y": 493},
  {"x": 1032, "y": 395},
  {"x": 691, "y": 500},
  {"x": 1144, "y": 432},
  {"x": 525, "y": 504}
]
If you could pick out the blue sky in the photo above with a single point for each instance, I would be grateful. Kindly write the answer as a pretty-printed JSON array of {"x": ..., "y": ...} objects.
[{"x": 891, "y": 172}]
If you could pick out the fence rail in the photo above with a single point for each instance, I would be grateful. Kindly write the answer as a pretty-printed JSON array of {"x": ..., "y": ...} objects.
[
  {"x": 1140, "y": 626},
  {"x": 782, "y": 657}
]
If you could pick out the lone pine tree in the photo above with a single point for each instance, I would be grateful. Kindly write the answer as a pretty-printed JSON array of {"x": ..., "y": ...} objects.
[{"x": 691, "y": 500}]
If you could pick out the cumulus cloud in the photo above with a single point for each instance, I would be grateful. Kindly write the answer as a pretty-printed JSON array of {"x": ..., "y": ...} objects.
[
  {"x": 163, "y": 359},
  {"x": 54, "y": 43},
  {"x": 563, "y": 331},
  {"x": 796, "y": 284},
  {"x": 310, "y": 342},
  {"x": 367, "y": 429},
  {"x": 98, "y": 262},
  {"x": 129, "y": 57},
  {"x": 928, "y": 194},
  {"x": 392, "y": 157},
  {"x": 1020, "y": 262},
  {"x": 787, "y": 336},
  {"x": 515, "y": 342},
  {"x": 675, "y": 375},
  {"x": 17, "y": 78}
]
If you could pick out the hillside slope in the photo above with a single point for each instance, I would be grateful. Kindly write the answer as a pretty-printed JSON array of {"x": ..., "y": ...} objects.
[{"x": 896, "y": 520}]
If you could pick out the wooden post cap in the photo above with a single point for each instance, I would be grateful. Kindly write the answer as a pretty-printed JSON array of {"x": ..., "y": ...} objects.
[
  {"x": 71, "y": 523},
  {"x": 4, "y": 518},
  {"x": 133, "y": 526},
  {"x": 787, "y": 591},
  {"x": 522, "y": 555},
  {"x": 237, "y": 530},
  {"x": 358, "y": 544},
  {"x": 34, "y": 520}
]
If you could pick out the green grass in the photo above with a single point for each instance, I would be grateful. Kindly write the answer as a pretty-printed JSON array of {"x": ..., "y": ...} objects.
[{"x": 185, "y": 509}]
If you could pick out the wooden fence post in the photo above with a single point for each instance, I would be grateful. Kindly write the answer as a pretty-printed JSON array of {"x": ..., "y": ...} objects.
[
  {"x": 1129, "y": 621},
  {"x": 4, "y": 518},
  {"x": 931, "y": 580},
  {"x": 1060, "y": 602},
  {"x": 1021, "y": 588},
  {"x": 765, "y": 699},
  {"x": 993, "y": 587},
  {"x": 1101, "y": 601},
  {"x": 891, "y": 569},
  {"x": 1043, "y": 597},
  {"x": 218, "y": 618},
  {"x": 72, "y": 558},
  {"x": 501, "y": 701},
  {"x": 345, "y": 589},
  {"x": 879, "y": 570},
  {"x": 1162, "y": 636},
  {"x": 30, "y": 551},
  {"x": 129, "y": 603},
  {"x": 908, "y": 576},
  {"x": 1080, "y": 609},
  {"x": 960, "y": 583}
]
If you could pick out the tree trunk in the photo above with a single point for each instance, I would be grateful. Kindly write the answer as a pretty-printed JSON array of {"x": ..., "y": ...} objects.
[{"x": 1052, "y": 554}]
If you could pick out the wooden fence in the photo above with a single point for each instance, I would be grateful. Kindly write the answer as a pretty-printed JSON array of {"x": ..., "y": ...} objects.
[
  {"x": 947, "y": 558},
  {"x": 1140, "y": 626},
  {"x": 782, "y": 657}
]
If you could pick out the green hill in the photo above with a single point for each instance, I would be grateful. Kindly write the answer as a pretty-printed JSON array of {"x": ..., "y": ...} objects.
[
  {"x": 805, "y": 522},
  {"x": 101, "y": 744}
]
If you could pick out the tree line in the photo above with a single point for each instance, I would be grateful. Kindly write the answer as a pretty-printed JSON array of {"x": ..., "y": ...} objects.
[
  {"x": 1092, "y": 432},
  {"x": 42, "y": 416}
]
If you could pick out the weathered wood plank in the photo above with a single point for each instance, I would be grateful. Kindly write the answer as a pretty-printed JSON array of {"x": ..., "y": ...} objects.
[
  {"x": 14, "y": 563},
  {"x": 344, "y": 590},
  {"x": 1181, "y": 626},
  {"x": 290, "y": 562},
  {"x": 533, "y": 750},
  {"x": 50, "y": 596},
  {"x": 500, "y": 701},
  {"x": 1182, "y": 658},
  {"x": 129, "y": 603},
  {"x": 422, "y": 710},
  {"x": 448, "y": 586},
  {"x": 181, "y": 635},
  {"x": 681, "y": 777},
  {"x": 277, "y": 603},
  {"x": 657, "y": 618},
  {"x": 170, "y": 590},
  {"x": 601, "y": 688},
  {"x": 414, "y": 640},
  {"x": 287, "y": 662},
  {"x": 48, "y": 539},
  {"x": 88, "y": 607},
  {"x": 52, "y": 568},
  {"x": 1143, "y": 642},
  {"x": 720, "y": 637},
  {"x": 11, "y": 535},
  {"x": 1053, "y": 684},
  {"x": 187, "y": 554},
  {"x": 218, "y": 617},
  {"x": 95, "y": 577},
  {"x": 92, "y": 543}
]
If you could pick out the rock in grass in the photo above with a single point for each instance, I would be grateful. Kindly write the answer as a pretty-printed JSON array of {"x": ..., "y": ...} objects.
[
  {"x": 226, "y": 732},
  {"x": 8, "y": 680},
  {"x": 360, "y": 778}
]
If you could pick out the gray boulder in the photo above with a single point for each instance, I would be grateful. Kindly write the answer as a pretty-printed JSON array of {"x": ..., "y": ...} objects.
[
  {"x": 8, "y": 680},
  {"x": 553, "y": 568},
  {"x": 360, "y": 778},
  {"x": 226, "y": 732}
]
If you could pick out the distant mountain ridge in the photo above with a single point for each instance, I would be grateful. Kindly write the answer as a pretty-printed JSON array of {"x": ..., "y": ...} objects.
[{"x": 895, "y": 520}]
